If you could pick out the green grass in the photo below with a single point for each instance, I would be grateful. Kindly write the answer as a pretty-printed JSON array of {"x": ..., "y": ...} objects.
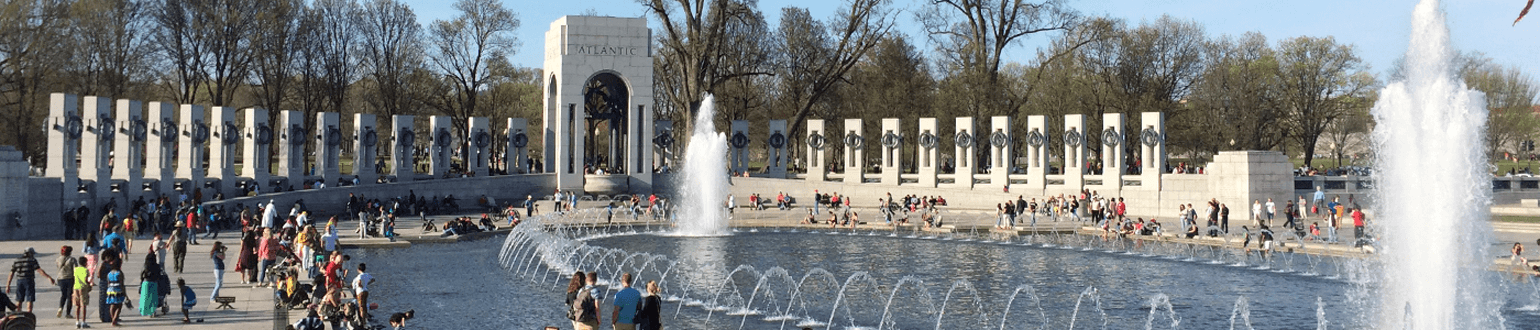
[{"x": 1515, "y": 219}]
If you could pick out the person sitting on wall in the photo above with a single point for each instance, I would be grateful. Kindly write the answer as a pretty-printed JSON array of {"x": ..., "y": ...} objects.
[{"x": 809, "y": 219}]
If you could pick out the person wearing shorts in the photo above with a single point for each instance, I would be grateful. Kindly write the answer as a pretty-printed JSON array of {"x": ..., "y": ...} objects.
[{"x": 23, "y": 272}]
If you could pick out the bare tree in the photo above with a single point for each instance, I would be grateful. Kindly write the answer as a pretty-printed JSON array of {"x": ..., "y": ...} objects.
[
  {"x": 974, "y": 35},
  {"x": 694, "y": 44},
  {"x": 29, "y": 54},
  {"x": 338, "y": 42},
  {"x": 1322, "y": 81},
  {"x": 274, "y": 50},
  {"x": 208, "y": 42},
  {"x": 392, "y": 44},
  {"x": 111, "y": 45},
  {"x": 819, "y": 58},
  {"x": 462, "y": 49}
]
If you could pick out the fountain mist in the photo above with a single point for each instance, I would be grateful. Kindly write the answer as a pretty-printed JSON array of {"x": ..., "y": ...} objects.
[
  {"x": 1432, "y": 190},
  {"x": 703, "y": 189}
]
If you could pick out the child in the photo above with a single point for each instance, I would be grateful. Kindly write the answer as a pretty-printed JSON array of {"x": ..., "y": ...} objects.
[{"x": 189, "y": 299}]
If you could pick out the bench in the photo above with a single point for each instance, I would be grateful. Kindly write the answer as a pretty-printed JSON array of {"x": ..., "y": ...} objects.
[{"x": 224, "y": 302}]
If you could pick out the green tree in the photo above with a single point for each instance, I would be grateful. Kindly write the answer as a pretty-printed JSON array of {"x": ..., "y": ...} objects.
[
  {"x": 1510, "y": 99},
  {"x": 1321, "y": 81},
  {"x": 1238, "y": 94}
]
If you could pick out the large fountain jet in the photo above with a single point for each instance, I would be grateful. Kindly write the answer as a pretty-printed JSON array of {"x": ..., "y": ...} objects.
[
  {"x": 1433, "y": 190},
  {"x": 703, "y": 190}
]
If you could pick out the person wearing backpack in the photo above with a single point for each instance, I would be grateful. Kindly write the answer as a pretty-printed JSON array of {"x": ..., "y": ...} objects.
[
  {"x": 648, "y": 314},
  {"x": 582, "y": 302},
  {"x": 627, "y": 300}
]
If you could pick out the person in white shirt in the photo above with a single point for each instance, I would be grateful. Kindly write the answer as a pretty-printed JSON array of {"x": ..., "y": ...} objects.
[
  {"x": 1256, "y": 211},
  {"x": 1272, "y": 209},
  {"x": 361, "y": 289}
]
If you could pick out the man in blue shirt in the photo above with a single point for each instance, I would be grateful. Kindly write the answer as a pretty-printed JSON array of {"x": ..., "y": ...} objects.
[
  {"x": 626, "y": 302},
  {"x": 1320, "y": 196},
  {"x": 112, "y": 240}
]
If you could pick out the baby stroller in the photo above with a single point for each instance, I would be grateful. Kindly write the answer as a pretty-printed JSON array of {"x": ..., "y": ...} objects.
[{"x": 18, "y": 321}]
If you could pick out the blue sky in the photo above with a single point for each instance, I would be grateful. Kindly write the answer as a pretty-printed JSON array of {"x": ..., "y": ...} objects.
[{"x": 1379, "y": 29}]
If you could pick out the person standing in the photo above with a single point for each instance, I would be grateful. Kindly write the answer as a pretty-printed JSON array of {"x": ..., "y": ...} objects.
[
  {"x": 1358, "y": 224},
  {"x": 1318, "y": 198},
  {"x": 178, "y": 247},
  {"x": 1272, "y": 209},
  {"x": 23, "y": 275},
  {"x": 218, "y": 256},
  {"x": 116, "y": 294},
  {"x": 529, "y": 205},
  {"x": 66, "y": 265},
  {"x": 81, "y": 289},
  {"x": 268, "y": 251},
  {"x": 626, "y": 302},
  {"x": 1224, "y": 218},
  {"x": 361, "y": 289},
  {"x": 149, "y": 290},
  {"x": 1256, "y": 212},
  {"x": 189, "y": 299},
  {"x": 648, "y": 316},
  {"x": 559, "y": 199},
  {"x": 576, "y": 291}
]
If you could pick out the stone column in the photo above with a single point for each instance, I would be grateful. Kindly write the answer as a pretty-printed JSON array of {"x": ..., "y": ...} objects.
[
  {"x": 568, "y": 164},
  {"x": 518, "y": 146},
  {"x": 443, "y": 142},
  {"x": 96, "y": 146},
  {"x": 256, "y": 156},
  {"x": 365, "y": 138},
  {"x": 128, "y": 149},
  {"x": 64, "y": 133},
  {"x": 403, "y": 142},
  {"x": 328, "y": 147},
  {"x": 775, "y": 151},
  {"x": 640, "y": 148},
  {"x": 1000, "y": 156},
  {"x": 222, "y": 150},
  {"x": 738, "y": 140},
  {"x": 160, "y": 156},
  {"x": 479, "y": 145},
  {"x": 1112, "y": 140},
  {"x": 817, "y": 155},
  {"x": 1152, "y": 150},
  {"x": 1074, "y": 152},
  {"x": 1037, "y": 154},
  {"x": 892, "y": 140},
  {"x": 190, "y": 154},
  {"x": 964, "y": 160},
  {"x": 929, "y": 152},
  {"x": 855, "y": 151},
  {"x": 291, "y": 154}
]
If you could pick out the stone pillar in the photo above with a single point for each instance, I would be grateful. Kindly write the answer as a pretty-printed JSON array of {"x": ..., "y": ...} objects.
[
  {"x": 222, "y": 150},
  {"x": 96, "y": 146},
  {"x": 190, "y": 150},
  {"x": 639, "y": 148},
  {"x": 256, "y": 157},
  {"x": 518, "y": 146},
  {"x": 663, "y": 144},
  {"x": 65, "y": 129},
  {"x": 817, "y": 155},
  {"x": 1037, "y": 153},
  {"x": 855, "y": 151},
  {"x": 128, "y": 149},
  {"x": 1000, "y": 156},
  {"x": 1112, "y": 141},
  {"x": 738, "y": 140},
  {"x": 291, "y": 154},
  {"x": 964, "y": 160},
  {"x": 775, "y": 150},
  {"x": 443, "y": 143},
  {"x": 1074, "y": 152},
  {"x": 365, "y": 138},
  {"x": 328, "y": 147},
  {"x": 160, "y": 158},
  {"x": 404, "y": 139},
  {"x": 892, "y": 140},
  {"x": 479, "y": 146},
  {"x": 568, "y": 147},
  {"x": 1152, "y": 150},
  {"x": 929, "y": 152},
  {"x": 1240, "y": 177}
]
